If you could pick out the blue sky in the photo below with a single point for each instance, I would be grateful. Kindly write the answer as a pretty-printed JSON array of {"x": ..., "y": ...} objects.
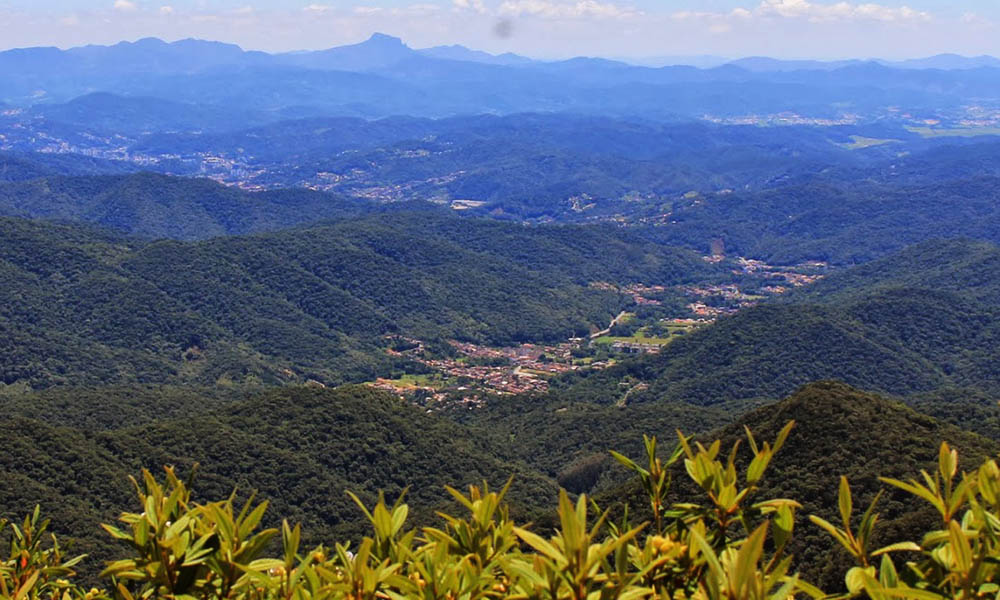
[{"x": 541, "y": 28}]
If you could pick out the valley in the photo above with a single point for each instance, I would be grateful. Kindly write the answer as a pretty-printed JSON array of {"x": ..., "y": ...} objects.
[
  {"x": 340, "y": 281},
  {"x": 479, "y": 371}
]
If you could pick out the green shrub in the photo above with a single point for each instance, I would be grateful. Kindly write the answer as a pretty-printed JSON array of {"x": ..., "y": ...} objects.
[{"x": 732, "y": 545}]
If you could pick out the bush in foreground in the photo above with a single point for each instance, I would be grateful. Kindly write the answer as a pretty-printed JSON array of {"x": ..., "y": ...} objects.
[{"x": 730, "y": 546}]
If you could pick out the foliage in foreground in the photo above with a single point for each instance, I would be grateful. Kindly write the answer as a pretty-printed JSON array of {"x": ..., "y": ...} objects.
[{"x": 731, "y": 546}]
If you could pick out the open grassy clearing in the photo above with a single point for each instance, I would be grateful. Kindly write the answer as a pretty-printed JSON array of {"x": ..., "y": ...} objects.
[
  {"x": 430, "y": 380},
  {"x": 930, "y": 132},
  {"x": 861, "y": 142},
  {"x": 638, "y": 338}
]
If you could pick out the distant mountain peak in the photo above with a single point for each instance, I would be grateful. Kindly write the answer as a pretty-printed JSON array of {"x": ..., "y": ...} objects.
[
  {"x": 383, "y": 39},
  {"x": 148, "y": 41},
  {"x": 462, "y": 53}
]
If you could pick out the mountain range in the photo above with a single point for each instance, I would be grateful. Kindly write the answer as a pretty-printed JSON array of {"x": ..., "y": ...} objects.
[
  {"x": 382, "y": 76},
  {"x": 380, "y": 51},
  {"x": 372, "y": 267}
]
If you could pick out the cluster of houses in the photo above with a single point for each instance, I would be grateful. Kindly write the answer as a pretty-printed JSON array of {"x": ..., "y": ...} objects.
[{"x": 510, "y": 370}]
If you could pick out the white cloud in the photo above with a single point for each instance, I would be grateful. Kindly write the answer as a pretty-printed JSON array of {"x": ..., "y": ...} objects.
[
  {"x": 414, "y": 10},
  {"x": 565, "y": 10},
  {"x": 840, "y": 11},
  {"x": 736, "y": 13},
  {"x": 977, "y": 21},
  {"x": 124, "y": 5},
  {"x": 476, "y": 5},
  {"x": 318, "y": 8},
  {"x": 418, "y": 9},
  {"x": 815, "y": 12},
  {"x": 166, "y": 10}
]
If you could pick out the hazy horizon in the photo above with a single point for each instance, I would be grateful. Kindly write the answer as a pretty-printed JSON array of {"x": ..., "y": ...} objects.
[
  {"x": 704, "y": 60},
  {"x": 637, "y": 30}
]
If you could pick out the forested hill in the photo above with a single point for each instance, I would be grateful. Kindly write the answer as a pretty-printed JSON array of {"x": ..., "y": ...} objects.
[
  {"x": 84, "y": 307},
  {"x": 773, "y": 205},
  {"x": 914, "y": 323},
  {"x": 16, "y": 166},
  {"x": 843, "y": 223},
  {"x": 962, "y": 266},
  {"x": 159, "y": 206},
  {"x": 839, "y": 430},
  {"x": 844, "y": 431},
  {"x": 299, "y": 448}
]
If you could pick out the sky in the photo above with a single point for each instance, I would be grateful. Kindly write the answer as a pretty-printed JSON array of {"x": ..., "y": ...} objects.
[{"x": 550, "y": 29}]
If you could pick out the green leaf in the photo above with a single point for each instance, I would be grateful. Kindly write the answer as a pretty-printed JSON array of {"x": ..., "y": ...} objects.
[
  {"x": 629, "y": 463},
  {"x": 898, "y": 547},
  {"x": 844, "y": 503},
  {"x": 837, "y": 534},
  {"x": 539, "y": 544},
  {"x": 248, "y": 524},
  {"x": 263, "y": 565},
  {"x": 782, "y": 436},
  {"x": 855, "y": 578},
  {"x": 758, "y": 466},
  {"x": 28, "y": 586},
  {"x": 961, "y": 550},
  {"x": 947, "y": 462},
  {"x": 917, "y": 490}
]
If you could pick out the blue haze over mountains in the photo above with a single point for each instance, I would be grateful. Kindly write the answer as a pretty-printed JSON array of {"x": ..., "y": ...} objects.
[
  {"x": 585, "y": 139},
  {"x": 383, "y": 76},
  {"x": 185, "y": 223}
]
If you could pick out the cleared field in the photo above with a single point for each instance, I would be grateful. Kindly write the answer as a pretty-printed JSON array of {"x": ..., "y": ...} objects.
[
  {"x": 861, "y": 142},
  {"x": 541, "y": 374},
  {"x": 466, "y": 204},
  {"x": 638, "y": 338},
  {"x": 432, "y": 380},
  {"x": 930, "y": 132}
]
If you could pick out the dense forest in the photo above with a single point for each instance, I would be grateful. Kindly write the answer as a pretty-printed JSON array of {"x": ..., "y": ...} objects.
[
  {"x": 156, "y": 206},
  {"x": 846, "y": 224},
  {"x": 284, "y": 444},
  {"x": 833, "y": 438},
  {"x": 287, "y": 444},
  {"x": 87, "y": 307}
]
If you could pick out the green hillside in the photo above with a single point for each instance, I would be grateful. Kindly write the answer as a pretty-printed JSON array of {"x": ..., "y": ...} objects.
[
  {"x": 963, "y": 266},
  {"x": 845, "y": 220},
  {"x": 83, "y": 307},
  {"x": 300, "y": 448},
  {"x": 568, "y": 439},
  {"x": 839, "y": 431},
  {"x": 920, "y": 320},
  {"x": 23, "y": 166},
  {"x": 158, "y": 206}
]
